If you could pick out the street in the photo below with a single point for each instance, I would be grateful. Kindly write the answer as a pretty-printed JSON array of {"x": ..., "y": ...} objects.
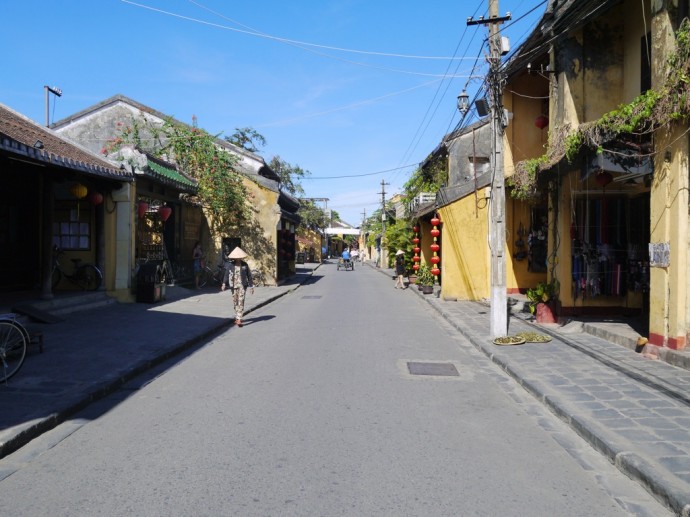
[{"x": 311, "y": 409}]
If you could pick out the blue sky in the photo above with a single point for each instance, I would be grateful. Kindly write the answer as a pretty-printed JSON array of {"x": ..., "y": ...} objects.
[{"x": 354, "y": 91}]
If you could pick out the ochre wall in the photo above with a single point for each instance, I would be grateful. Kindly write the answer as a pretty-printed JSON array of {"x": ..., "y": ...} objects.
[{"x": 464, "y": 251}]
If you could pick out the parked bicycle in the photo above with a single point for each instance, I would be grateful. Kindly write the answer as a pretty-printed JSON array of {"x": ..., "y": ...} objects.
[
  {"x": 86, "y": 276},
  {"x": 210, "y": 276},
  {"x": 14, "y": 339}
]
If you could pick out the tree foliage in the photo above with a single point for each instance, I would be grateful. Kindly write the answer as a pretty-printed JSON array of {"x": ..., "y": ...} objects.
[
  {"x": 290, "y": 175},
  {"x": 247, "y": 138},
  {"x": 312, "y": 216}
]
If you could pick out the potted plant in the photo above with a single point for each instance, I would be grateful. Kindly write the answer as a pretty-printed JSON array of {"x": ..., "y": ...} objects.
[
  {"x": 425, "y": 279},
  {"x": 541, "y": 300}
]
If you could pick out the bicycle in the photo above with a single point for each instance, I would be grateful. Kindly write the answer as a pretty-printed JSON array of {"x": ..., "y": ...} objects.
[
  {"x": 209, "y": 275},
  {"x": 14, "y": 339},
  {"x": 86, "y": 276}
]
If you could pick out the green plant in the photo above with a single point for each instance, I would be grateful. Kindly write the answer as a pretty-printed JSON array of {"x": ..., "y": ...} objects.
[
  {"x": 544, "y": 292},
  {"x": 424, "y": 276}
]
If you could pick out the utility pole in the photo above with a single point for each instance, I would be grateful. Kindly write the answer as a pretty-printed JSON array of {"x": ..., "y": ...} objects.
[
  {"x": 55, "y": 91},
  {"x": 497, "y": 229},
  {"x": 382, "y": 253}
]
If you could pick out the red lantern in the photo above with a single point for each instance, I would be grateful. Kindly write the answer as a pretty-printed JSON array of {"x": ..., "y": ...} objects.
[
  {"x": 435, "y": 271},
  {"x": 435, "y": 247},
  {"x": 164, "y": 212},
  {"x": 435, "y": 221},
  {"x": 416, "y": 250},
  {"x": 435, "y": 259},
  {"x": 435, "y": 232},
  {"x": 415, "y": 267},
  {"x": 96, "y": 198},
  {"x": 541, "y": 121},
  {"x": 142, "y": 207},
  {"x": 415, "y": 229},
  {"x": 603, "y": 178},
  {"x": 416, "y": 259},
  {"x": 416, "y": 240}
]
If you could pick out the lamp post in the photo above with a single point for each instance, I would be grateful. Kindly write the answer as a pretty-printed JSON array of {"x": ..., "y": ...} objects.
[{"x": 463, "y": 103}]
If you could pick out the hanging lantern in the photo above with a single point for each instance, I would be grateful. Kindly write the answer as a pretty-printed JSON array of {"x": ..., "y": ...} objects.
[
  {"x": 416, "y": 259},
  {"x": 416, "y": 250},
  {"x": 164, "y": 212},
  {"x": 541, "y": 121},
  {"x": 415, "y": 267},
  {"x": 435, "y": 247},
  {"x": 415, "y": 229},
  {"x": 603, "y": 178},
  {"x": 416, "y": 240},
  {"x": 96, "y": 198},
  {"x": 142, "y": 208},
  {"x": 79, "y": 191}
]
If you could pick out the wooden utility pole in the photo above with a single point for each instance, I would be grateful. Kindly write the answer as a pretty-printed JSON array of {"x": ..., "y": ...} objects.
[
  {"x": 497, "y": 225},
  {"x": 382, "y": 253}
]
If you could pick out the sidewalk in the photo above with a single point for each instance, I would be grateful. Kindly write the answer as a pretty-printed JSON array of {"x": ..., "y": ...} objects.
[
  {"x": 632, "y": 409},
  {"x": 92, "y": 353}
]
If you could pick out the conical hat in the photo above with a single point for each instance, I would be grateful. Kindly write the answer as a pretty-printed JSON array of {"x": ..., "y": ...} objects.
[
  {"x": 237, "y": 253},
  {"x": 400, "y": 252}
]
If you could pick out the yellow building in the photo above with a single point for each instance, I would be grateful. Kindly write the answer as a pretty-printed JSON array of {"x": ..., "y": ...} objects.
[{"x": 617, "y": 220}]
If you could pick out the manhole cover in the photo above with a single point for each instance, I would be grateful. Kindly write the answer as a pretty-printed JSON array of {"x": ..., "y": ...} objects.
[
  {"x": 443, "y": 369},
  {"x": 314, "y": 297}
]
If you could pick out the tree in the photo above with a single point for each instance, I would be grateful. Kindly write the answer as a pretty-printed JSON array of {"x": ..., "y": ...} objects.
[
  {"x": 312, "y": 216},
  {"x": 247, "y": 138},
  {"x": 290, "y": 175}
]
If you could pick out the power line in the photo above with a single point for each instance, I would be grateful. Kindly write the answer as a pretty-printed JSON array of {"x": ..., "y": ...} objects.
[{"x": 360, "y": 175}]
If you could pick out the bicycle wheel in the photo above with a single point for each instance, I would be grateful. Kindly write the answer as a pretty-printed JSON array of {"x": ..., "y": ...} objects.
[
  {"x": 204, "y": 275},
  {"x": 12, "y": 349},
  {"x": 88, "y": 277}
]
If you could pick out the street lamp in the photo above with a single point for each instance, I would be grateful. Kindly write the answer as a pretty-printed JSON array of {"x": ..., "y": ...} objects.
[{"x": 463, "y": 102}]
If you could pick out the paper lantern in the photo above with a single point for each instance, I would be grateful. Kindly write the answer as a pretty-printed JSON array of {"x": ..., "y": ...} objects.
[
  {"x": 416, "y": 240},
  {"x": 435, "y": 221},
  {"x": 416, "y": 250},
  {"x": 96, "y": 198},
  {"x": 78, "y": 190},
  {"x": 164, "y": 212},
  {"x": 541, "y": 121},
  {"x": 415, "y": 229},
  {"x": 603, "y": 178},
  {"x": 435, "y": 271},
  {"x": 435, "y": 232},
  {"x": 435, "y": 247},
  {"x": 415, "y": 267},
  {"x": 142, "y": 208},
  {"x": 435, "y": 259}
]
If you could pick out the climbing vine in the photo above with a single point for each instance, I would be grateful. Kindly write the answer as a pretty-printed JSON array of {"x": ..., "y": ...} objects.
[
  {"x": 650, "y": 111},
  {"x": 221, "y": 191}
]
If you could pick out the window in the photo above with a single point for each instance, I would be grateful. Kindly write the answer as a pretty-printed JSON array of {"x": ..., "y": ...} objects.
[{"x": 71, "y": 229}]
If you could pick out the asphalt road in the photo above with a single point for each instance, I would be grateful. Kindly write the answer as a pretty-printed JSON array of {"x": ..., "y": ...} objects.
[{"x": 311, "y": 409}]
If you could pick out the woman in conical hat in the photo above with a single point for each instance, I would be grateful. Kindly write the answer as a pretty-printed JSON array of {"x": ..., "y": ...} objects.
[
  {"x": 238, "y": 278},
  {"x": 400, "y": 269}
]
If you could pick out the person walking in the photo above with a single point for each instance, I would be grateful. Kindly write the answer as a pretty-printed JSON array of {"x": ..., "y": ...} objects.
[
  {"x": 400, "y": 269},
  {"x": 238, "y": 277},
  {"x": 197, "y": 256}
]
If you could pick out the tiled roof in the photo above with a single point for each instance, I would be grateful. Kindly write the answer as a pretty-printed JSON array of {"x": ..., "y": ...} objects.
[
  {"x": 168, "y": 174},
  {"x": 20, "y": 136}
]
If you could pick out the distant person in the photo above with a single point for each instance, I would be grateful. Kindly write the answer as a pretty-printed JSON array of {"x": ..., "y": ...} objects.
[
  {"x": 400, "y": 269},
  {"x": 238, "y": 277},
  {"x": 346, "y": 257},
  {"x": 197, "y": 266},
  {"x": 354, "y": 255}
]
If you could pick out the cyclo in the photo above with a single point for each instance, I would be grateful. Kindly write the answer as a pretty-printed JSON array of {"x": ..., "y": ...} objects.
[{"x": 346, "y": 264}]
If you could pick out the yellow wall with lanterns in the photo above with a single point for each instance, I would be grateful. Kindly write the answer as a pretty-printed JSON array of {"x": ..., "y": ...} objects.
[{"x": 465, "y": 259}]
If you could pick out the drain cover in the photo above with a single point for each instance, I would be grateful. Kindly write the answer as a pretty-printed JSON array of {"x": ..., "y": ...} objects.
[
  {"x": 443, "y": 369},
  {"x": 315, "y": 297}
]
